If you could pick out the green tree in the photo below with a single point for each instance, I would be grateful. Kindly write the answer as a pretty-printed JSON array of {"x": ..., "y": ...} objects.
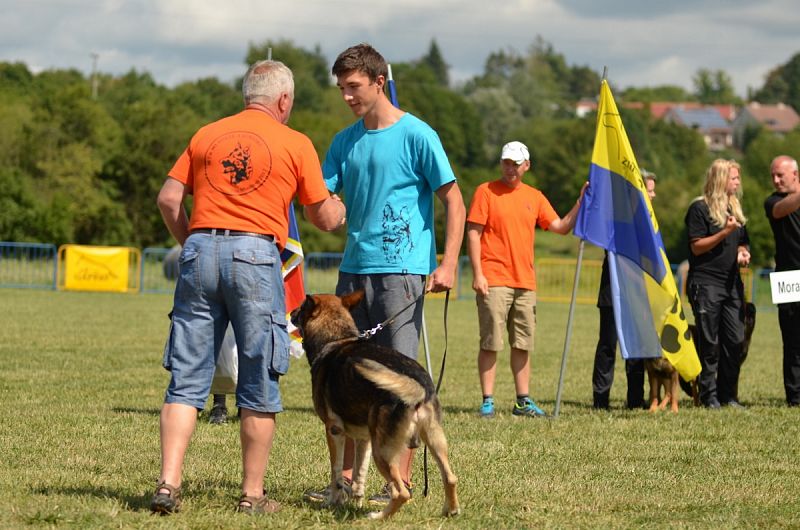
[
  {"x": 157, "y": 128},
  {"x": 310, "y": 69},
  {"x": 435, "y": 61},
  {"x": 659, "y": 93},
  {"x": 15, "y": 78},
  {"x": 450, "y": 114},
  {"x": 714, "y": 87},
  {"x": 782, "y": 85},
  {"x": 501, "y": 113},
  {"x": 209, "y": 98}
]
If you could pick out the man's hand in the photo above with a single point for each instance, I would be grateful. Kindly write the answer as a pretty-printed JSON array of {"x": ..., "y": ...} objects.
[
  {"x": 480, "y": 285},
  {"x": 442, "y": 279}
]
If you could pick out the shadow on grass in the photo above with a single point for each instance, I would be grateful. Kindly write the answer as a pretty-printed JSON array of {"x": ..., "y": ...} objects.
[
  {"x": 140, "y": 502},
  {"x": 136, "y": 503},
  {"x": 343, "y": 513},
  {"x": 134, "y": 410},
  {"x": 547, "y": 405}
]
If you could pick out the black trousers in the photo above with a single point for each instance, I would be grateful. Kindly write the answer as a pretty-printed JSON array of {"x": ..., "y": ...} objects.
[
  {"x": 789, "y": 320},
  {"x": 604, "y": 358},
  {"x": 719, "y": 317}
]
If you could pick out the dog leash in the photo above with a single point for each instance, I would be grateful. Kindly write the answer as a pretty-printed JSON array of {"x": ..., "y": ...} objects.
[
  {"x": 438, "y": 385},
  {"x": 368, "y": 334}
]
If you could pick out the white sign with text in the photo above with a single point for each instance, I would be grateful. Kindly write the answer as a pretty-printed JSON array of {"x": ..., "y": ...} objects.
[{"x": 785, "y": 286}]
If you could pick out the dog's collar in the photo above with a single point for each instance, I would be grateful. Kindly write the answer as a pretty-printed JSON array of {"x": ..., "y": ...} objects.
[{"x": 334, "y": 344}]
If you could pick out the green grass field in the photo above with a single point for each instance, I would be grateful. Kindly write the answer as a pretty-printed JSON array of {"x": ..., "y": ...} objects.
[{"x": 82, "y": 385}]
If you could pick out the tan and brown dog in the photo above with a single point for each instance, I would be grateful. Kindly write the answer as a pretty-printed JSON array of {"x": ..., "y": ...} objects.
[
  {"x": 380, "y": 398},
  {"x": 661, "y": 374}
]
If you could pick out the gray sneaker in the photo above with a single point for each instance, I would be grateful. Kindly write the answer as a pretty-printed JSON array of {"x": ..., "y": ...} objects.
[
  {"x": 385, "y": 494},
  {"x": 322, "y": 495}
]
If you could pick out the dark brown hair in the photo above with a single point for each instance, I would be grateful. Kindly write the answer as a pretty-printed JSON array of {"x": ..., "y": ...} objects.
[{"x": 361, "y": 58}]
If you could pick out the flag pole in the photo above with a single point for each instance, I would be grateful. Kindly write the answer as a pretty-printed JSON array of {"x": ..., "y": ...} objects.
[
  {"x": 568, "y": 336},
  {"x": 569, "y": 328}
]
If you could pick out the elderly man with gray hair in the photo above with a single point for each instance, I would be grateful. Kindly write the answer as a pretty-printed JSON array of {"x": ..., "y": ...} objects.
[{"x": 243, "y": 171}]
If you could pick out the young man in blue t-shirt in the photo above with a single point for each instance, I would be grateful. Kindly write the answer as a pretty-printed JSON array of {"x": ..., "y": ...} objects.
[{"x": 389, "y": 165}]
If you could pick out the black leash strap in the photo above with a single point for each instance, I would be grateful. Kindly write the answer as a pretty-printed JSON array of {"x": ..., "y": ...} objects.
[
  {"x": 368, "y": 334},
  {"x": 438, "y": 385}
]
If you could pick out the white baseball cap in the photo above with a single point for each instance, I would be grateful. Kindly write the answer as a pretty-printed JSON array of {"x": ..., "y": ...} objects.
[{"x": 515, "y": 151}]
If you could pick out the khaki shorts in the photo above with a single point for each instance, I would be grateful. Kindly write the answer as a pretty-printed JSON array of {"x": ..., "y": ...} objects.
[{"x": 509, "y": 308}]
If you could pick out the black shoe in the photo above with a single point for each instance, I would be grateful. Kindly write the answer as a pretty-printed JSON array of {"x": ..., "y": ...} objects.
[
  {"x": 218, "y": 415},
  {"x": 601, "y": 401},
  {"x": 712, "y": 403},
  {"x": 734, "y": 404},
  {"x": 636, "y": 405}
]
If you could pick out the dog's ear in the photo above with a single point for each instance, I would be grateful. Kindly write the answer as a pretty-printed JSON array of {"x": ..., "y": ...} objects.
[
  {"x": 352, "y": 299},
  {"x": 308, "y": 304}
]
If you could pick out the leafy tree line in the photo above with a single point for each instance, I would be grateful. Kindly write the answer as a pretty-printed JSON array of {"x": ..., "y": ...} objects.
[{"x": 77, "y": 169}]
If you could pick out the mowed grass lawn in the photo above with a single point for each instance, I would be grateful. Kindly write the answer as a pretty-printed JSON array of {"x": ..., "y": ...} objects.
[{"x": 81, "y": 386}]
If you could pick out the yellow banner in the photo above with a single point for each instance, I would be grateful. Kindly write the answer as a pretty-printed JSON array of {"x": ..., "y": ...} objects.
[{"x": 88, "y": 268}]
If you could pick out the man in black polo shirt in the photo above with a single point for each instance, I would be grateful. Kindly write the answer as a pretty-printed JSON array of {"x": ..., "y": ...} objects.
[{"x": 782, "y": 211}]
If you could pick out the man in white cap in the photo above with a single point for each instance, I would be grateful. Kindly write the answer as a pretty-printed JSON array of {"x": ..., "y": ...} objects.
[{"x": 500, "y": 240}]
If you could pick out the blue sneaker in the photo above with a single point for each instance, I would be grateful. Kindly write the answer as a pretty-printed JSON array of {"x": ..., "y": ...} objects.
[
  {"x": 487, "y": 408},
  {"x": 528, "y": 408}
]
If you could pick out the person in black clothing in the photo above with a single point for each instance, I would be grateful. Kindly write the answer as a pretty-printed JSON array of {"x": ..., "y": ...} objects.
[
  {"x": 782, "y": 211},
  {"x": 606, "y": 352},
  {"x": 718, "y": 246}
]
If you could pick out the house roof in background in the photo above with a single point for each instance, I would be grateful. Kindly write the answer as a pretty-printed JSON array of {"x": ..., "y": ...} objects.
[
  {"x": 778, "y": 117},
  {"x": 703, "y": 118}
]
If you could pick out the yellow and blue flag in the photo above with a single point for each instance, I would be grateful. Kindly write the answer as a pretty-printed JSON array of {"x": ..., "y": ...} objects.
[{"x": 616, "y": 215}]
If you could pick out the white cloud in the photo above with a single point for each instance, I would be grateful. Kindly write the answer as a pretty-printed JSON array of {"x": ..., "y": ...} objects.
[{"x": 642, "y": 43}]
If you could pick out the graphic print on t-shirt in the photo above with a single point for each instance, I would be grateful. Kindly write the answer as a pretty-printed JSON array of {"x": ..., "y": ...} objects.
[
  {"x": 237, "y": 163},
  {"x": 397, "y": 242}
]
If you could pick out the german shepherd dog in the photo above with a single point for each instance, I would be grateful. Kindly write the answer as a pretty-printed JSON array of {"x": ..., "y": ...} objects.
[
  {"x": 380, "y": 398},
  {"x": 690, "y": 387},
  {"x": 661, "y": 373}
]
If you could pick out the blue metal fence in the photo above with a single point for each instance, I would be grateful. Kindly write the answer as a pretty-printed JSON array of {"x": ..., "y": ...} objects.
[
  {"x": 159, "y": 269},
  {"x": 28, "y": 265},
  {"x": 34, "y": 266}
]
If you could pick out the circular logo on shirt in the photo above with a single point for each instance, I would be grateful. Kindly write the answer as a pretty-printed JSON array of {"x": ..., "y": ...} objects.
[{"x": 237, "y": 163}]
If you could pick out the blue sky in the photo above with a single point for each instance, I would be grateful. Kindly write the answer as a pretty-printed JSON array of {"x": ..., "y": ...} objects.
[{"x": 643, "y": 43}]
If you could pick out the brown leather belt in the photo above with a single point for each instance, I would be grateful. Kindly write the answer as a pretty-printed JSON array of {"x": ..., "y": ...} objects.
[{"x": 225, "y": 232}]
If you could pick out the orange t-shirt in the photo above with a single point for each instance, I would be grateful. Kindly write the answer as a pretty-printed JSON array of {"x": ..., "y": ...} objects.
[
  {"x": 509, "y": 217},
  {"x": 244, "y": 170}
]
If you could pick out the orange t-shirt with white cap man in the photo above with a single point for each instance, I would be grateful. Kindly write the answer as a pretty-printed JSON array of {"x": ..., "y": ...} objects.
[{"x": 509, "y": 211}]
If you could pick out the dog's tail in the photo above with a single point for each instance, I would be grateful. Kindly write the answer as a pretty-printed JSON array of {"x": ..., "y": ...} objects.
[{"x": 402, "y": 386}]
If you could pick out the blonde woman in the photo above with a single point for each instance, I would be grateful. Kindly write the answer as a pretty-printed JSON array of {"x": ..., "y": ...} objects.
[{"x": 718, "y": 246}]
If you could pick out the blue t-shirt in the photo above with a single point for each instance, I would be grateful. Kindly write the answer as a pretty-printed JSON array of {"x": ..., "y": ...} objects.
[{"x": 388, "y": 177}]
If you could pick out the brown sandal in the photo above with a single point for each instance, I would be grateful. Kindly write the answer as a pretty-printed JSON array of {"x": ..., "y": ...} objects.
[
  {"x": 257, "y": 505},
  {"x": 166, "y": 503}
]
